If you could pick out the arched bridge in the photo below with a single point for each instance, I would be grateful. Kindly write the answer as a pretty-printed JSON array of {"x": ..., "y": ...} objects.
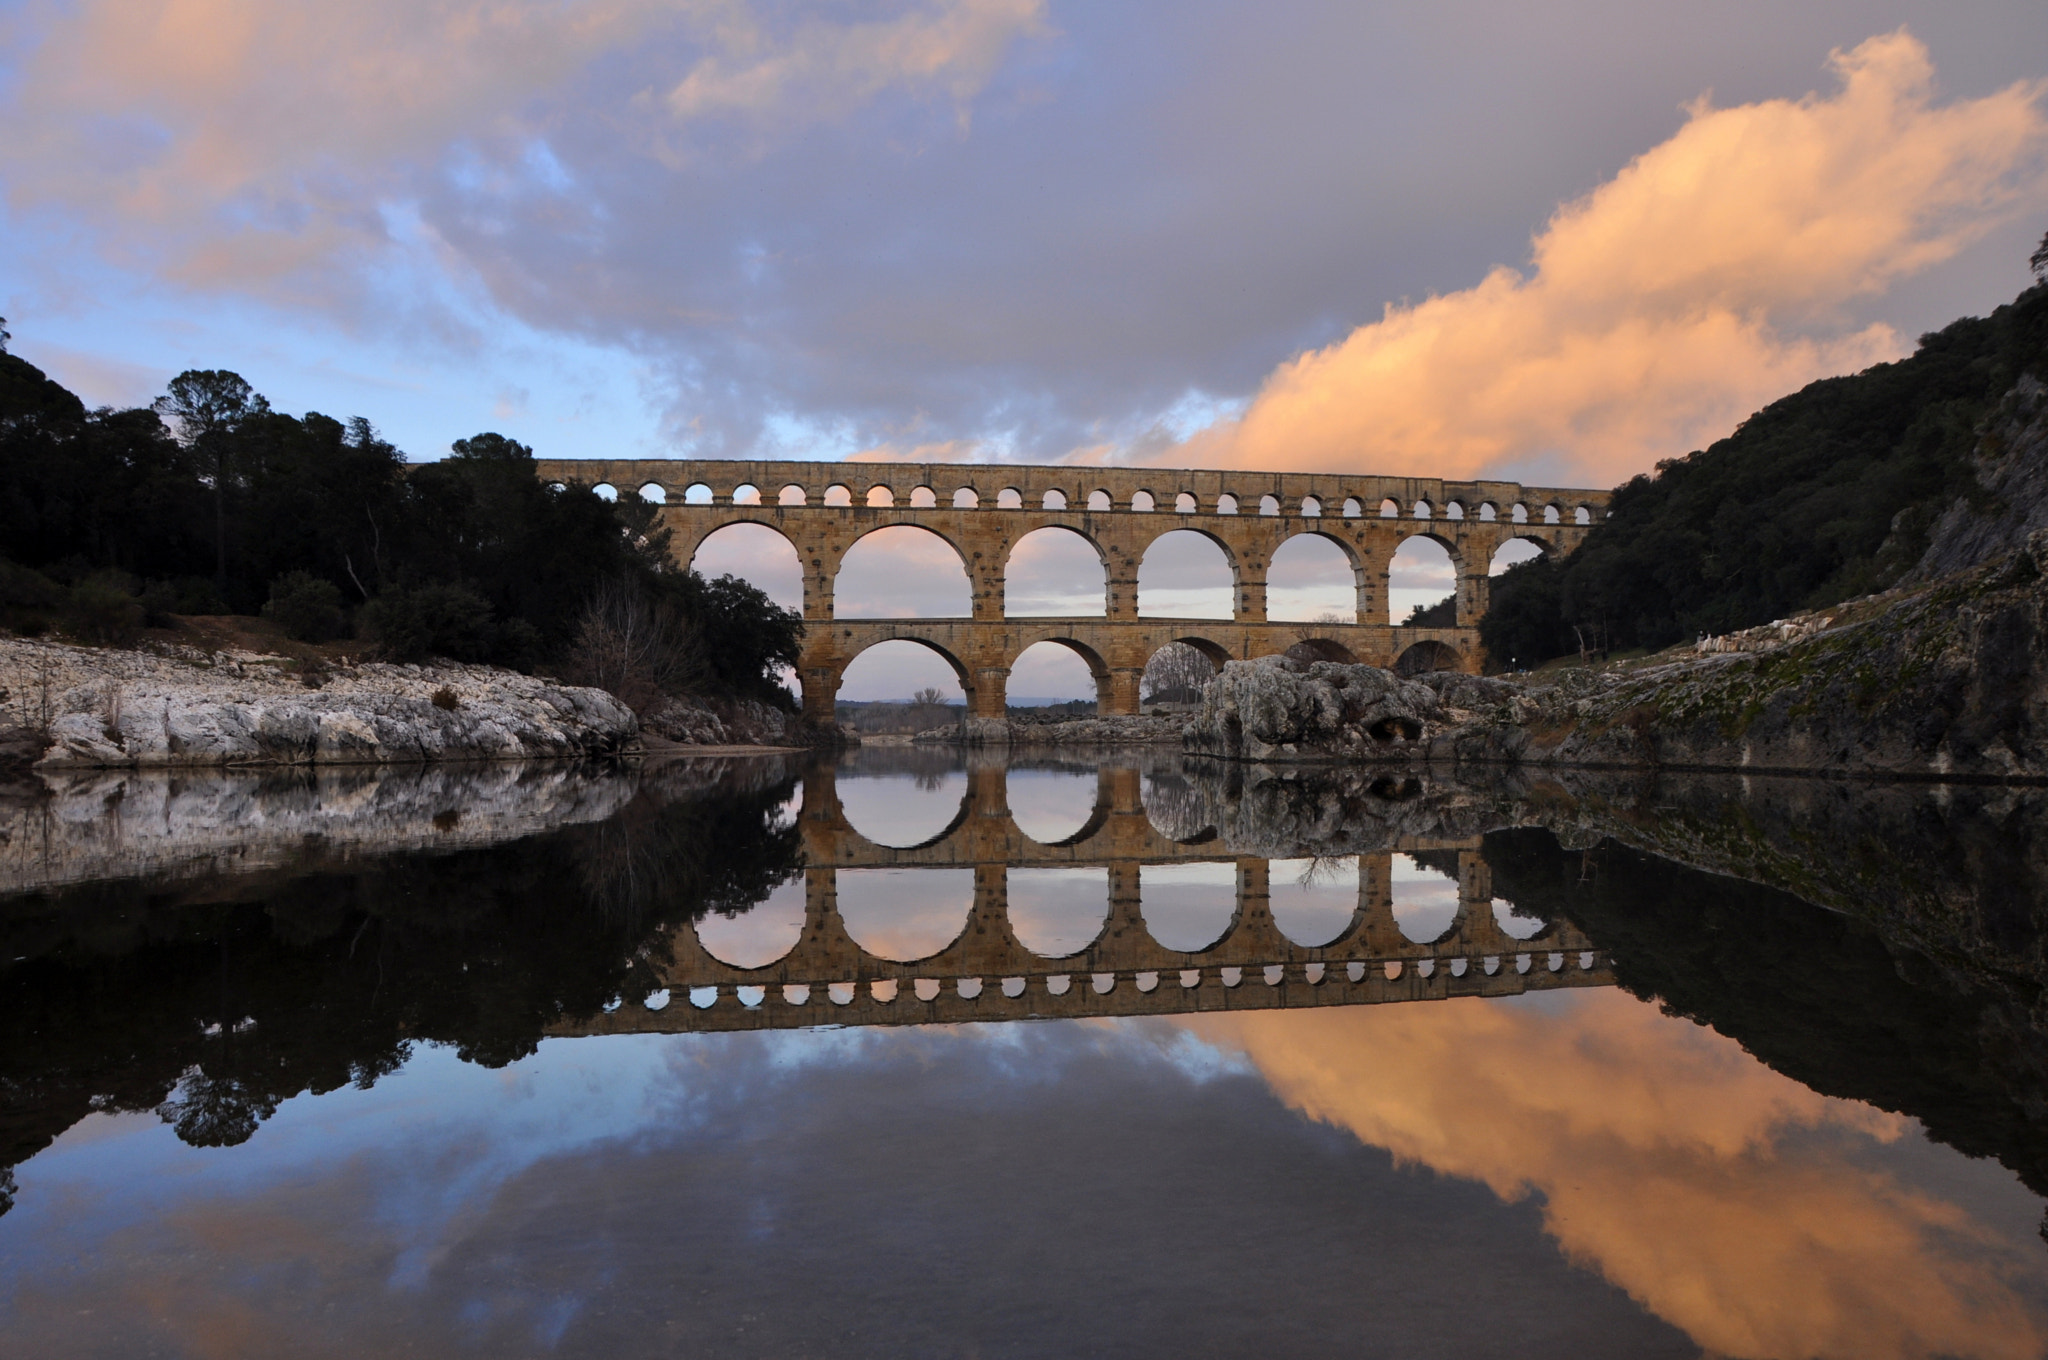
[
  {"x": 984, "y": 510},
  {"x": 987, "y": 973}
]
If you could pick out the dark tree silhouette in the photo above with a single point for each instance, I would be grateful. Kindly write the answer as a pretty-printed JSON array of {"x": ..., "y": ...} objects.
[{"x": 207, "y": 407}]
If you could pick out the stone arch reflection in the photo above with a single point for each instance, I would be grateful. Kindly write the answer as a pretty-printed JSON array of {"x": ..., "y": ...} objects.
[
  {"x": 759, "y": 935},
  {"x": 1314, "y": 901},
  {"x": 1058, "y": 912},
  {"x": 1424, "y": 898},
  {"x": 1187, "y": 907},
  {"x": 905, "y": 914}
]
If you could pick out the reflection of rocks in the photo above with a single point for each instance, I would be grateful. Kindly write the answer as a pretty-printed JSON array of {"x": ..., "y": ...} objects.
[
  {"x": 92, "y": 826},
  {"x": 109, "y": 709},
  {"x": 1284, "y": 812},
  {"x": 1126, "y": 730}
]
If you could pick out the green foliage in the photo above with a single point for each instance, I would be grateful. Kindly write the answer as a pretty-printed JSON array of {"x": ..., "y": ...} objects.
[
  {"x": 30, "y": 602},
  {"x": 1442, "y": 614},
  {"x": 743, "y": 637},
  {"x": 441, "y": 619},
  {"x": 104, "y": 608},
  {"x": 214, "y": 498},
  {"x": 306, "y": 607},
  {"x": 1821, "y": 496}
]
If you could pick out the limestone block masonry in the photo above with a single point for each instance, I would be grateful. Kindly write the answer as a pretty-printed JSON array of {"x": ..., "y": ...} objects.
[{"x": 983, "y": 510}]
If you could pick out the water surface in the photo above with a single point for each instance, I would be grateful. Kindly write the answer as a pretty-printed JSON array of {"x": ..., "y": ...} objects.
[{"x": 909, "y": 1054}]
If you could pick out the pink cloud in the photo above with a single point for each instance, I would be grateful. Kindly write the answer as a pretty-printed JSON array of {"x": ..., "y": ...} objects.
[{"x": 1705, "y": 279}]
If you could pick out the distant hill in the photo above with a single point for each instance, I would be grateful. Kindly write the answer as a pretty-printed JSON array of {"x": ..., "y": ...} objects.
[{"x": 1832, "y": 492}]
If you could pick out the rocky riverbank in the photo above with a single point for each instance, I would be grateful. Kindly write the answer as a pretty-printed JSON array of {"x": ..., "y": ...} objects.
[
  {"x": 1948, "y": 680},
  {"x": 689, "y": 720},
  {"x": 81, "y": 707}
]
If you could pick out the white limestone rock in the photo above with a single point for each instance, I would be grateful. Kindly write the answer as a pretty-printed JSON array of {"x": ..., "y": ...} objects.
[
  {"x": 101, "y": 708},
  {"x": 1275, "y": 708}
]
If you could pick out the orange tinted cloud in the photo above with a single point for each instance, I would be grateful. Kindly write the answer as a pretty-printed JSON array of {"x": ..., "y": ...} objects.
[
  {"x": 1692, "y": 288},
  {"x": 1727, "y": 1199}
]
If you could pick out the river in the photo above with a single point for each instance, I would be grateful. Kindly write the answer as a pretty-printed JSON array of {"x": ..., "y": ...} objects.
[{"x": 920, "y": 1053}]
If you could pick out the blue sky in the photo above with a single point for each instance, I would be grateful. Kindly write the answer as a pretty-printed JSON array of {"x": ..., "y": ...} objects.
[{"x": 1557, "y": 243}]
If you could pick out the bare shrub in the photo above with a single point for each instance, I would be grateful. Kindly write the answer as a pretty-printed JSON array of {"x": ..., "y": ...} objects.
[{"x": 636, "y": 648}]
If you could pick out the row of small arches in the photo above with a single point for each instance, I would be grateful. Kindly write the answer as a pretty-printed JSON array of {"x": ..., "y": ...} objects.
[
  {"x": 1185, "y": 503},
  {"x": 1146, "y": 981}
]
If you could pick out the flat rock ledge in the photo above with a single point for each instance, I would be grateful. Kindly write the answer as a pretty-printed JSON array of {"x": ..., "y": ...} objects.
[{"x": 93, "y": 708}]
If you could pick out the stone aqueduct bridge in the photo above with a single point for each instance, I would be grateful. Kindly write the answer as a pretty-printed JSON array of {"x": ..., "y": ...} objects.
[
  {"x": 987, "y": 973},
  {"x": 982, "y": 510}
]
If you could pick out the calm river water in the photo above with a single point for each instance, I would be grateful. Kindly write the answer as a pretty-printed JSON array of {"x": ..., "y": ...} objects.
[{"x": 922, "y": 1054}]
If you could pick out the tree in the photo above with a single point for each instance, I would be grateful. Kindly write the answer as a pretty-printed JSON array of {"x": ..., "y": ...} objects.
[
  {"x": 2038, "y": 262},
  {"x": 207, "y": 407},
  {"x": 1176, "y": 674}
]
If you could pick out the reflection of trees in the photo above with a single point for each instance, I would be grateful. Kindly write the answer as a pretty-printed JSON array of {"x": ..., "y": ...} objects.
[
  {"x": 210, "y": 1004},
  {"x": 1176, "y": 808},
  {"x": 1825, "y": 999},
  {"x": 211, "y": 1111}
]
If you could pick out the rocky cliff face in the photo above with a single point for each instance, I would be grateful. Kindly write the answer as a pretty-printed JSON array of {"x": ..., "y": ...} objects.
[
  {"x": 2010, "y": 500},
  {"x": 1949, "y": 680},
  {"x": 96, "y": 708}
]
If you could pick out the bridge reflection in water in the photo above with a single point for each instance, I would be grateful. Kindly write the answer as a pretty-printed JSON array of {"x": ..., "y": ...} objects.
[{"x": 988, "y": 973}]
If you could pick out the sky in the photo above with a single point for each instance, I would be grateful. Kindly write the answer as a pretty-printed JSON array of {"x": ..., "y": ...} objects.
[
  {"x": 1552, "y": 243},
  {"x": 1576, "y": 1172}
]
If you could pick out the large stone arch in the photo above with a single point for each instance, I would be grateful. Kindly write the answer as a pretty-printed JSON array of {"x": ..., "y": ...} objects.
[
  {"x": 1360, "y": 573},
  {"x": 1450, "y": 543},
  {"x": 1542, "y": 546},
  {"x": 1322, "y": 649},
  {"x": 1428, "y": 655},
  {"x": 1455, "y": 554},
  {"x": 1233, "y": 561},
  {"x": 961, "y": 671},
  {"x": 1098, "y": 665},
  {"x": 1215, "y": 651},
  {"x": 847, "y": 552},
  {"x": 1171, "y": 524},
  {"x": 695, "y": 548},
  {"x": 1060, "y": 532}
]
